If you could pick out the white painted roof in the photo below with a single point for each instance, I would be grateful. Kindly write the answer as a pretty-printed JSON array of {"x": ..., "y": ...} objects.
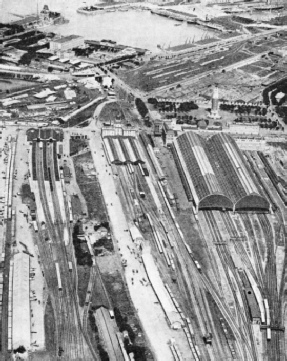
[{"x": 21, "y": 301}]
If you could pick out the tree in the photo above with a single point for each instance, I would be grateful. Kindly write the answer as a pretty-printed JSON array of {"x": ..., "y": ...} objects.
[{"x": 141, "y": 107}]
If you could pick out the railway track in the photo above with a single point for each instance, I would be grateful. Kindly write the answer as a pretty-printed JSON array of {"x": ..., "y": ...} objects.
[
  {"x": 188, "y": 288},
  {"x": 228, "y": 266},
  {"x": 83, "y": 350},
  {"x": 195, "y": 291},
  {"x": 69, "y": 336},
  {"x": 273, "y": 348},
  {"x": 5, "y": 298},
  {"x": 45, "y": 253}
]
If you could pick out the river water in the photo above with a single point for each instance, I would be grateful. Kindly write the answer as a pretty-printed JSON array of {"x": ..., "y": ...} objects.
[{"x": 135, "y": 28}]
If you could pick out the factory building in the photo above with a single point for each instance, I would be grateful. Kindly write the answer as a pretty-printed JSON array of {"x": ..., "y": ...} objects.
[
  {"x": 215, "y": 174},
  {"x": 66, "y": 43},
  {"x": 21, "y": 302}
]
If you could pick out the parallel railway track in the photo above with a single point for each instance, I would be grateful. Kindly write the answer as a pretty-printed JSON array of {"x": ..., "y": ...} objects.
[{"x": 69, "y": 334}]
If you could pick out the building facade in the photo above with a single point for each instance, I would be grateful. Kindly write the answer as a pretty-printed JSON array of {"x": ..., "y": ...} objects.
[{"x": 66, "y": 43}]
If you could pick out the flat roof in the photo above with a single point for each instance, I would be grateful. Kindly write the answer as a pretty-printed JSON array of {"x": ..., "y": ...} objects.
[
  {"x": 53, "y": 58},
  {"x": 65, "y": 39},
  {"x": 21, "y": 301},
  {"x": 26, "y": 20}
]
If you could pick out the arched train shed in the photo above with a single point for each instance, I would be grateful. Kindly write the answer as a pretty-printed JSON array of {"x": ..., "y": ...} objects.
[{"x": 216, "y": 174}]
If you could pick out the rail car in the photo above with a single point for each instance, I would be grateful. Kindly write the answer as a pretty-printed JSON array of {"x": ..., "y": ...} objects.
[
  {"x": 140, "y": 189},
  {"x": 54, "y": 252},
  {"x": 267, "y": 310},
  {"x": 131, "y": 168},
  {"x": 141, "y": 169},
  {"x": 13, "y": 226},
  {"x": 195, "y": 213},
  {"x": 145, "y": 170},
  {"x": 43, "y": 226},
  {"x": 198, "y": 266},
  {"x": 45, "y": 165},
  {"x": 58, "y": 276},
  {"x": 87, "y": 300},
  {"x": 268, "y": 334},
  {"x": 188, "y": 249},
  {"x": 5, "y": 211},
  {"x": 70, "y": 212},
  {"x": 55, "y": 159},
  {"x": 50, "y": 180},
  {"x": 66, "y": 236},
  {"x": 9, "y": 344},
  {"x": 9, "y": 215},
  {"x": 34, "y": 171}
]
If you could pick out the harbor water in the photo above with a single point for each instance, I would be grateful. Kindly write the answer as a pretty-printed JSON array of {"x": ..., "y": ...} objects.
[{"x": 134, "y": 27}]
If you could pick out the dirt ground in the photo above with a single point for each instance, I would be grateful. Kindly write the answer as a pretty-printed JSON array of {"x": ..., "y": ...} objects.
[{"x": 89, "y": 186}]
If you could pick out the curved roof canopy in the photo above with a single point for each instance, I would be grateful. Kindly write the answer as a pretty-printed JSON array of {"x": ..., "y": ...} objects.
[{"x": 217, "y": 173}]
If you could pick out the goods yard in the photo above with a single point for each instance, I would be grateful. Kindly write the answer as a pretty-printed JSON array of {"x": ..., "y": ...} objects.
[{"x": 174, "y": 75}]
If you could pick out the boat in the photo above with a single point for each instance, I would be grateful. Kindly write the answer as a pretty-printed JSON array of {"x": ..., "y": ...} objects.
[{"x": 268, "y": 7}]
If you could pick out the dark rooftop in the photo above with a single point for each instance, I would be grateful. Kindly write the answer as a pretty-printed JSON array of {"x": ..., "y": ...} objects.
[{"x": 65, "y": 39}]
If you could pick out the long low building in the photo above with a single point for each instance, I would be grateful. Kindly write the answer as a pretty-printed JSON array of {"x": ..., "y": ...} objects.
[
  {"x": 21, "y": 302},
  {"x": 215, "y": 172}
]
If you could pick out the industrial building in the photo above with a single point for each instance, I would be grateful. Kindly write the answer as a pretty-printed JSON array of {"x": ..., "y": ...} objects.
[
  {"x": 21, "y": 302},
  {"x": 215, "y": 174},
  {"x": 66, "y": 43}
]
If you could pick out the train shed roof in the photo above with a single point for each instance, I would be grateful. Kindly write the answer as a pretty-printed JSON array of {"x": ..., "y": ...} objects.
[{"x": 217, "y": 173}]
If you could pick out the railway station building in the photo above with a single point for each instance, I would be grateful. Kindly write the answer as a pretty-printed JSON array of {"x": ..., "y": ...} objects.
[{"x": 216, "y": 175}]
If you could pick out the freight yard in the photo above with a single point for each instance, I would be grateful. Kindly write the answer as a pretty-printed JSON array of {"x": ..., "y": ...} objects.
[{"x": 143, "y": 195}]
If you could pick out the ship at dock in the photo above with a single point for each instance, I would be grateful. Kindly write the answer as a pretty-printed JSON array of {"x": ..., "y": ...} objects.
[
  {"x": 99, "y": 9},
  {"x": 269, "y": 6},
  {"x": 48, "y": 17},
  {"x": 40, "y": 20}
]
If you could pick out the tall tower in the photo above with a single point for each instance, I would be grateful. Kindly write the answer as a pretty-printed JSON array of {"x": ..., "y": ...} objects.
[{"x": 214, "y": 104}]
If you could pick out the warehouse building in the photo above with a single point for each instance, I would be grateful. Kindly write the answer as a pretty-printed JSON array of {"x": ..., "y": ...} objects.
[
  {"x": 21, "y": 302},
  {"x": 215, "y": 174},
  {"x": 66, "y": 43}
]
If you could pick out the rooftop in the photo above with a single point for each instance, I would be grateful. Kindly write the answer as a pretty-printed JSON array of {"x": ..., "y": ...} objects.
[{"x": 65, "y": 39}]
